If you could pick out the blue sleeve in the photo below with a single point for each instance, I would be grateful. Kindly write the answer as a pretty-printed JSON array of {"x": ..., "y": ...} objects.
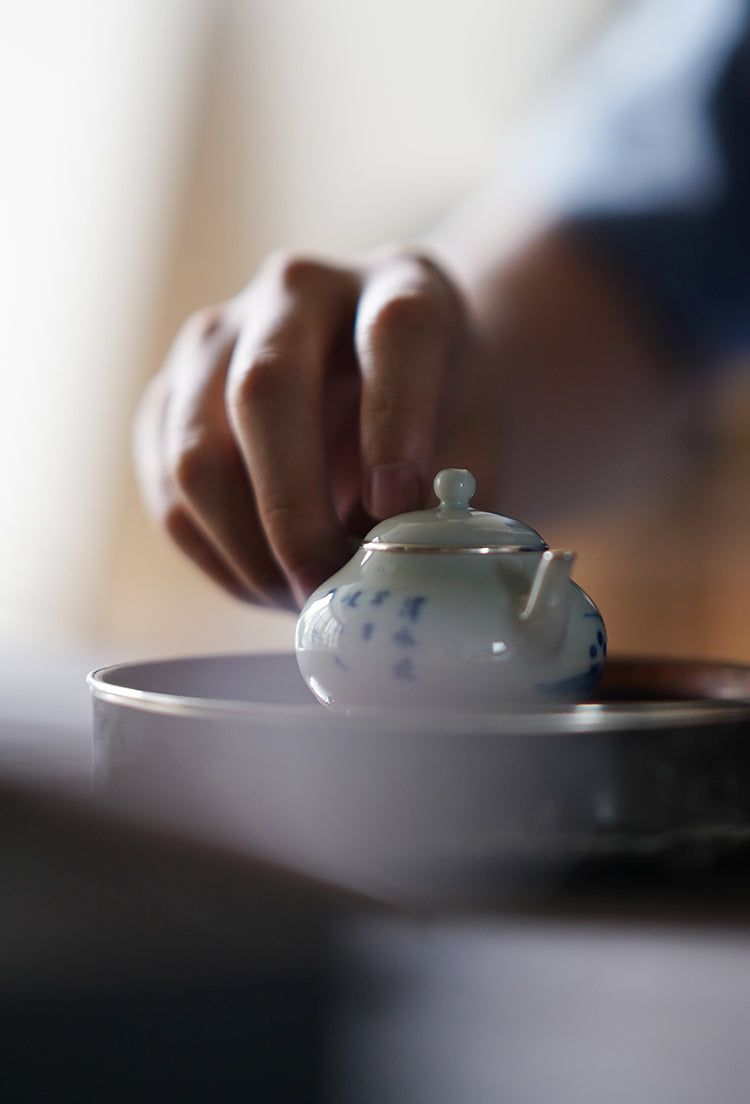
[{"x": 652, "y": 166}]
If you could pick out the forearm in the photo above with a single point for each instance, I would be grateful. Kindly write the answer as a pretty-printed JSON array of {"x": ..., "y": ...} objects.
[
  {"x": 604, "y": 336},
  {"x": 589, "y": 399}
]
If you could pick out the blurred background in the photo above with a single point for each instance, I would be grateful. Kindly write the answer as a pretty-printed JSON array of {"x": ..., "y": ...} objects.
[{"x": 153, "y": 153}]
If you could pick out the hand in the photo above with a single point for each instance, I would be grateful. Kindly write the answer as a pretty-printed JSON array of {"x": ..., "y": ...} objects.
[
  {"x": 321, "y": 397},
  {"x": 324, "y": 396}
]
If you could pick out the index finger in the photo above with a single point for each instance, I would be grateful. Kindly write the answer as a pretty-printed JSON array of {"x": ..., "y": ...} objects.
[{"x": 408, "y": 334}]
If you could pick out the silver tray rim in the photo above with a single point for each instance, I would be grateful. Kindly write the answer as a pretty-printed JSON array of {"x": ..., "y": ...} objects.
[{"x": 593, "y": 716}]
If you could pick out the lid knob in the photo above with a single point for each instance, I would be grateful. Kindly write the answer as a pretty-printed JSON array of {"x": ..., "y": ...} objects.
[{"x": 454, "y": 487}]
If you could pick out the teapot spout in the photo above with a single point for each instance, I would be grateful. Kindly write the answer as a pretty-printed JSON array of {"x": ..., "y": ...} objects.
[{"x": 546, "y": 613}]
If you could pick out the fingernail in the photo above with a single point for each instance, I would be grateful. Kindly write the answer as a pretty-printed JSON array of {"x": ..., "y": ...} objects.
[{"x": 394, "y": 489}]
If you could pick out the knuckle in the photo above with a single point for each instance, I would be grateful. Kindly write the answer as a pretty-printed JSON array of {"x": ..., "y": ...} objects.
[
  {"x": 264, "y": 380},
  {"x": 424, "y": 287},
  {"x": 427, "y": 270},
  {"x": 409, "y": 310},
  {"x": 295, "y": 272},
  {"x": 186, "y": 468},
  {"x": 196, "y": 455},
  {"x": 280, "y": 508},
  {"x": 389, "y": 415},
  {"x": 296, "y": 530},
  {"x": 431, "y": 271}
]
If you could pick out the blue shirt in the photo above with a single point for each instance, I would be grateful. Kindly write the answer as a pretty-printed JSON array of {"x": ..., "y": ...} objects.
[{"x": 646, "y": 149}]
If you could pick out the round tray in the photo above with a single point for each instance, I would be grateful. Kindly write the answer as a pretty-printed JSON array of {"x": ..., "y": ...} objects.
[{"x": 410, "y": 807}]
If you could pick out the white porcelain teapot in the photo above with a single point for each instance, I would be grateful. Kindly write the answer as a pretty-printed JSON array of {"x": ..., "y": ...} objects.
[{"x": 451, "y": 608}]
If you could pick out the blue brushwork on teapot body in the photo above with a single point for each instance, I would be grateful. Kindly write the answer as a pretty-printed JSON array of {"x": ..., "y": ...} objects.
[{"x": 451, "y": 608}]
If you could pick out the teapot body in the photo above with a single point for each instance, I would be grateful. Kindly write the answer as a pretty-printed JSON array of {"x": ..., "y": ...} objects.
[{"x": 439, "y": 628}]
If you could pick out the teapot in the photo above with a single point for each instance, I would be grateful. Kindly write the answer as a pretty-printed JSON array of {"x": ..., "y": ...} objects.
[{"x": 451, "y": 608}]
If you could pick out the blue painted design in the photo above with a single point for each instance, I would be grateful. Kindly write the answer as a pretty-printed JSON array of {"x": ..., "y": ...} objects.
[
  {"x": 596, "y": 614},
  {"x": 600, "y": 642},
  {"x": 577, "y": 687},
  {"x": 367, "y": 630},
  {"x": 379, "y": 597},
  {"x": 404, "y": 638},
  {"x": 340, "y": 663},
  {"x": 351, "y": 600},
  {"x": 404, "y": 669},
  {"x": 412, "y": 608}
]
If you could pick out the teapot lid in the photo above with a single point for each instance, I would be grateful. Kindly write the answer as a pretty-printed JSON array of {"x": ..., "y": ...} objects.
[{"x": 453, "y": 525}]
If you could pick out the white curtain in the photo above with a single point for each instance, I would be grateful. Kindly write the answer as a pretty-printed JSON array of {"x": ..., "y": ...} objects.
[{"x": 96, "y": 98}]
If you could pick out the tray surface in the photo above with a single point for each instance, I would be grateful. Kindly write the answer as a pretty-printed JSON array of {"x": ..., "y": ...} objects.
[{"x": 427, "y": 807}]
